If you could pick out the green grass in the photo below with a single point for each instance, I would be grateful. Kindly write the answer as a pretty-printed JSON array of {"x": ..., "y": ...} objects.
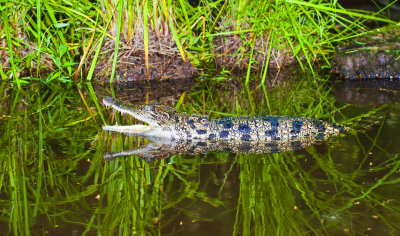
[{"x": 56, "y": 36}]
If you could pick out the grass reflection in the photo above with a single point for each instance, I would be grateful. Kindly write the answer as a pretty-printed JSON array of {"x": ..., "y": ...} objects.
[{"x": 53, "y": 178}]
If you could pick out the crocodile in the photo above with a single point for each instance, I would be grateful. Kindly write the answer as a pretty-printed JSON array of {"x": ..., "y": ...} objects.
[{"x": 167, "y": 127}]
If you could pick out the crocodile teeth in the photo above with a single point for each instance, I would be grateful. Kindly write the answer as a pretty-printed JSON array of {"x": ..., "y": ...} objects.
[{"x": 127, "y": 129}]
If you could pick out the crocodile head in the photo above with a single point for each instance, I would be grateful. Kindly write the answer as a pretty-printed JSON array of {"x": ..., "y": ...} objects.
[{"x": 159, "y": 118}]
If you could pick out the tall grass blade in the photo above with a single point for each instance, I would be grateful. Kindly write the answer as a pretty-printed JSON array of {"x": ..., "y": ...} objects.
[
  {"x": 117, "y": 41},
  {"x": 270, "y": 42},
  {"x": 4, "y": 15},
  {"x": 183, "y": 5},
  {"x": 146, "y": 36},
  {"x": 39, "y": 35},
  {"x": 88, "y": 47},
  {"x": 176, "y": 38},
  {"x": 341, "y": 11},
  {"x": 99, "y": 45},
  {"x": 253, "y": 42}
]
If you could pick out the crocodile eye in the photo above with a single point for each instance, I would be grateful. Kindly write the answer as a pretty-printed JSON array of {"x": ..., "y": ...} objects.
[{"x": 148, "y": 108}]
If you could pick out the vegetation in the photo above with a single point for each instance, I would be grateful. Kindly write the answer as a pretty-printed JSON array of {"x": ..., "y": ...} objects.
[
  {"x": 53, "y": 177},
  {"x": 65, "y": 39}
]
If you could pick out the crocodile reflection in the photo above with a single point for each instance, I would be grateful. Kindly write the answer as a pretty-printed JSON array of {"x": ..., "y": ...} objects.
[
  {"x": 164, "y": 148},
  {"x": 171, "y": 132}
]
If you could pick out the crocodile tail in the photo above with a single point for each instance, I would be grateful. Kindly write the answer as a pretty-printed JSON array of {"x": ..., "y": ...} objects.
[{"x": 364, "y": 123}]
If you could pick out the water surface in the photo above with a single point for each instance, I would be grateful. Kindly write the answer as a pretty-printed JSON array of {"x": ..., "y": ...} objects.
[{"x": 54, "y": 179}]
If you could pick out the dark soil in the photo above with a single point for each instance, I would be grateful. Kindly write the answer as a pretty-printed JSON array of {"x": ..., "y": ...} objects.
[
  {"x": 132, "y": 67},
  {"x": 374, "y": 55},
  {"x": 232, "y": 52}
]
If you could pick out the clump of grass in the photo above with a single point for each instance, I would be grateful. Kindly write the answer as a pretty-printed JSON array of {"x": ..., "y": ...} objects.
[
  {"x": 252, "y": 35},
  {"x": 43, "y": 37},
  {"x": 277, "y": 33}
]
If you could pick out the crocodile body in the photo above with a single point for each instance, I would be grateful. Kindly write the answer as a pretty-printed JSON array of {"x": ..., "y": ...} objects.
[{"x": 168, "y": 127}]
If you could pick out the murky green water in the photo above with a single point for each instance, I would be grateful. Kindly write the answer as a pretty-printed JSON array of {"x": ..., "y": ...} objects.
[{"x": 55, "y": 181}]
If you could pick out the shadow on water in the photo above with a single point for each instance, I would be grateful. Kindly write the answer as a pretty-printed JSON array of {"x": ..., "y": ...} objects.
[{"x": 54, "y": 179}]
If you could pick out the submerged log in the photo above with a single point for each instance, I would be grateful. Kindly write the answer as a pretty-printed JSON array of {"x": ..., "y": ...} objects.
[{"x": 374, "y": 55}]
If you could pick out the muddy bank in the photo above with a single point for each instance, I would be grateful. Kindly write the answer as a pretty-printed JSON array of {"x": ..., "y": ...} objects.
[
  {"x": 230, "y": 53},
  {"x": 374, "y": 55},
  {"x": 163, "y": 64}
]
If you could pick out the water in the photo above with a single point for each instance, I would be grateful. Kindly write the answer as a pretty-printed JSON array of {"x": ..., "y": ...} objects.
[{"x": 54, "y": 179}]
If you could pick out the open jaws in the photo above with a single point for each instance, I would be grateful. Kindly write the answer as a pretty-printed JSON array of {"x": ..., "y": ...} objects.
[{"x": 136, "y": 112}]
